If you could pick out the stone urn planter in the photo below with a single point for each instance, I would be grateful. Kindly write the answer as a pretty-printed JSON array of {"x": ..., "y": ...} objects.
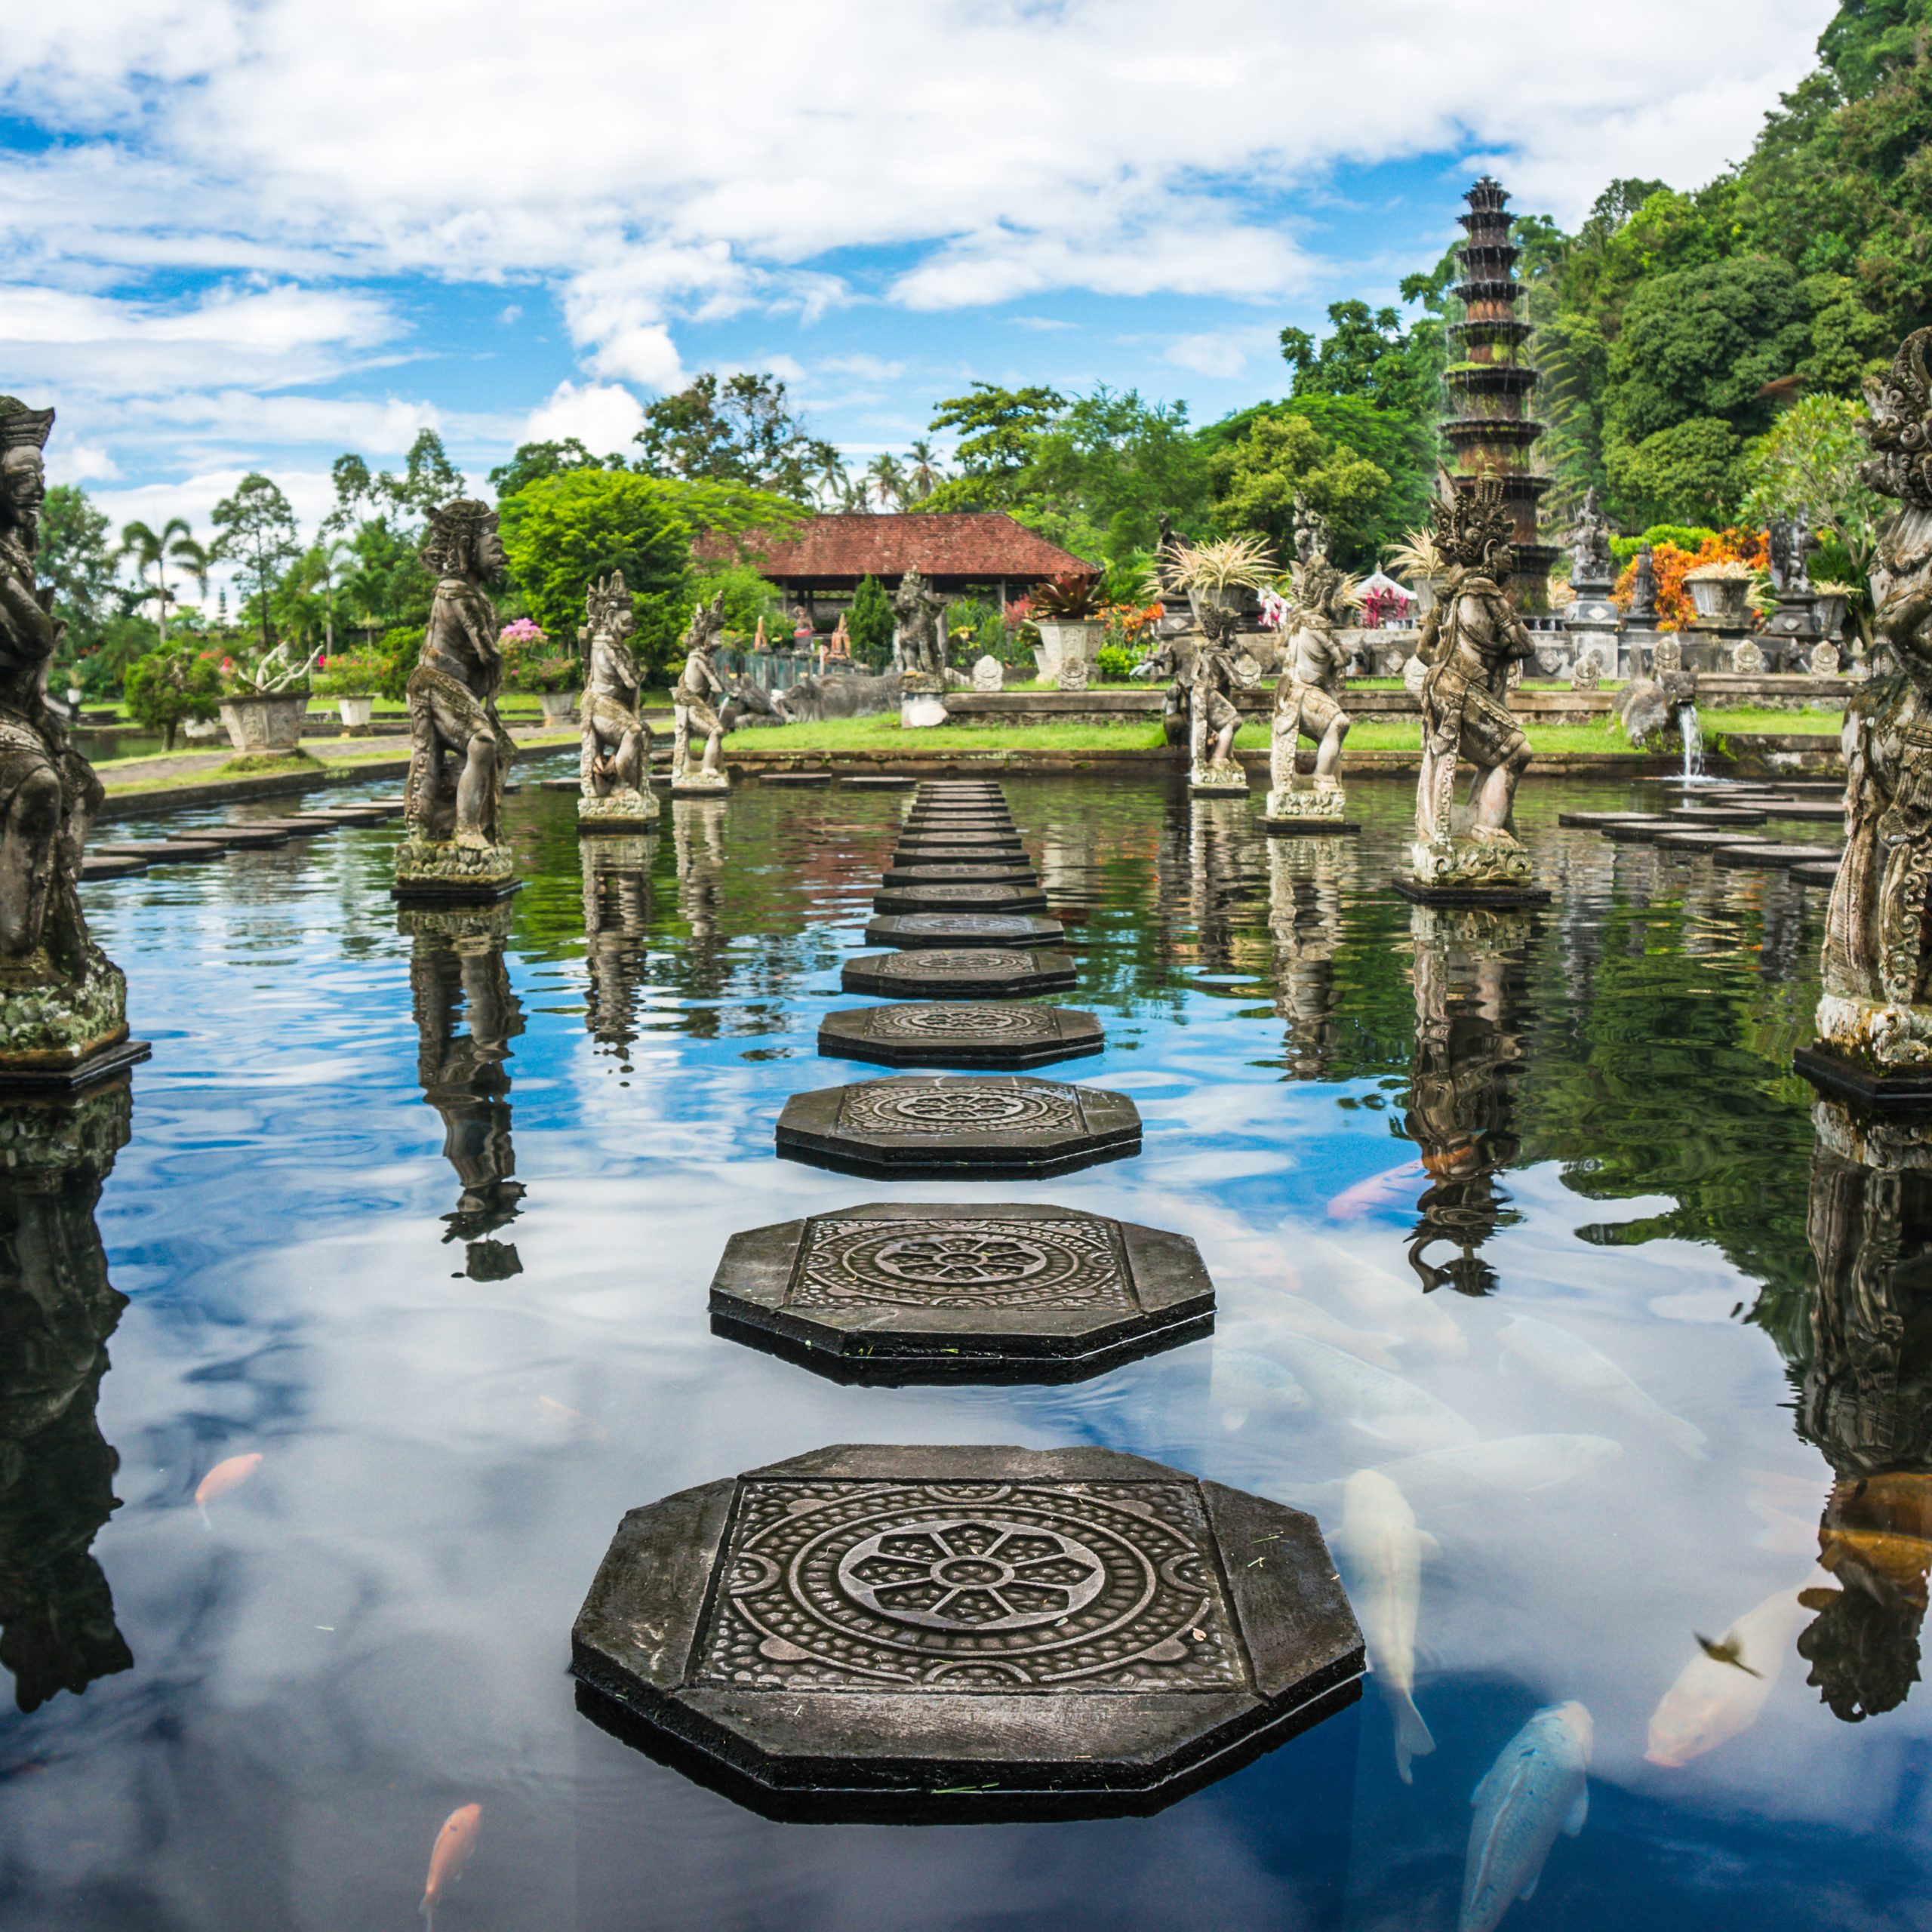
[
  {"x": 1828, "y": 610},
  {"x": 266, "y": 722},
  {"x": 559, "y": 707},
  {"x": 1063, "y": 643},
  {"x": 355, "y": 709},
  {"x": 1722, "y": 601}
]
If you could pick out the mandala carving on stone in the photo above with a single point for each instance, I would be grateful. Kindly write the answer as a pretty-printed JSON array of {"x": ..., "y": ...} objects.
[
  {"x": 938, "y": 962},
  {"x": 966, "y": 1587},
  {"x": 956, "y": 922},
  {"x": 902, "y": 1107},
  {"x": 961, "y": 1263},
  {"x": 985, "y": 1022}
]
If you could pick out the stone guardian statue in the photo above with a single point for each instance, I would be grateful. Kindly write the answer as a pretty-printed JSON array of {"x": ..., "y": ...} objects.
[
  {"x": 615, "y": 792},
  {"x": 1470, "y": 642},
  {"x": 460, "y": 751},
  {"x": 1875, "y": 1019},
  {"x": 63, "y": 1007},
  {"x": 1308, "y": 697},
  {"x": 692, "y": 708}
]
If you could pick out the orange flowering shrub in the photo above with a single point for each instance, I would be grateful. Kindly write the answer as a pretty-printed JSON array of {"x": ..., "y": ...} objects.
[{"x": 1671, "y": 564}]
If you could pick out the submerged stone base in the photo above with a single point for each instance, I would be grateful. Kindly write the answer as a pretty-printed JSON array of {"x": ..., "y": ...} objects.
[
  {"x": 950, "y": 1033},
  {"x": 695, "y": 783},
  {"x": 1500, "y": 897},
  {"x": 1322, "y": 801},
  {"x": 442, "y": 868},
  {"x": 960, "y": 1632},
  {"x": 57, "y": 1033},
  {"x": 1209, "y": 780},
  {"x": 618, "y": 811}
]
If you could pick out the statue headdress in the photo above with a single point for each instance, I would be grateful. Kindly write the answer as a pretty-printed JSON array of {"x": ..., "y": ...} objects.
[
  {"x": 1900, "y": 430},
  {"x": 1472, "y": 530},
  {"x": 454, "y": 529},
  {"x": 23, "y": 428},
  {"x": 604, "y": 599}
]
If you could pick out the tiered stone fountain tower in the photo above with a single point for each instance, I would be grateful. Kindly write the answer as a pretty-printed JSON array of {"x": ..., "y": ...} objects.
[{"x": 1489, "y": 425}]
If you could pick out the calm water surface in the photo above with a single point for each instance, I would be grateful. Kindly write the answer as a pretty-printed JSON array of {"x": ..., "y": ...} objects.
[{"x": 426, "y": 1219}]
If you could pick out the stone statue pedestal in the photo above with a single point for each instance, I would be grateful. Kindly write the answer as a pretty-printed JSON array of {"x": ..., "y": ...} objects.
[
  {"x": 1494, "y": 872},
  {"x": 1291, "y": 809},
  {"x": 443, "y": 870},
  {"x": 1792, "y": 629},
  {"x": 694, "y": 782},
  {"x": 622, "y": 811},
  {"x": 921, "y": 701},
  {"x": 59, "y": 1035},
  {"x": 1593, "y": 623},
  {"x": 1207, "y": 780}
]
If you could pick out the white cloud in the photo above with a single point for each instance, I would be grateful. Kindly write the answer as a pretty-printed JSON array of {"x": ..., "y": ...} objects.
[
  {"x": 70, "y": 461},
  {"x": 1225, "y": 352},
  {"x": 311, "y": 495},
  {"x": 604, "y": 417}
]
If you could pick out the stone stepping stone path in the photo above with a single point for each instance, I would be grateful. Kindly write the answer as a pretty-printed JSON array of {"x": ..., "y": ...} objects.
[
  {"x": 796, "y": 778},
  {"x": 1594, "y": 821},
  {"x": 957, "y": 973},
  {"x": 941, "y": 843},
  {"x": 1747, "y": 857},
  {"x": 95, "y": 865},
  {"x": 161, "y": 851},
  {"x": 878, "y": 784},
  {"x": 964, "y": 929},
  {"x": 1635, "y": 830},
  {"x": 1695, "y": 841},
  {"x": 926, "y": 1630},
  {"x": 893, "y": 1290},
  {"x": 1810, "y": 811},
  {"x": 944, "y": 895},
  {"x": 297, "y": 828},
  {"x": 940, "y": 872},
  {"x": 1816, "y": 872},
  {"x": 1715, "y": 816},
  {"x": 236, "y": 837},
  {"x": 944, "y": 1033}
]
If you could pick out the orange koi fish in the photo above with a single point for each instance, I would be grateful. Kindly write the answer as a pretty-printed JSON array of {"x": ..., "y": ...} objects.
[
  {"x": 450, "y": 1854},
  {"x": 227, "y": 1474}
]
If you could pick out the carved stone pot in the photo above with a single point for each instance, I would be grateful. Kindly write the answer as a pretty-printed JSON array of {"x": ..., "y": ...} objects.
[
  {"x": 268, "y": 721},
  {"x": 355, "y": 709},
  {"x": 1827, "y": 613},
  {"x": 559, "y": 707},
  {"x": 1721, "y": 601},
  {"x": 1063, "y": 644}
]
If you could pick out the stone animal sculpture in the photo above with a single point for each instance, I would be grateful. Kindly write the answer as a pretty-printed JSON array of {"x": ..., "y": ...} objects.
[{"x": 847, "y": 694}]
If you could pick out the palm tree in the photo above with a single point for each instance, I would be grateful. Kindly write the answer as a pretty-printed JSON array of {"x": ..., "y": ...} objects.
[
  {"x": 925, "y": 475},
  {"x": 149, "y": 549},
  {"x": 834, "y": 486},
  {"x": 196, "y": 559},
  {"x": 888, "y": 478},
  {"x": 329, "y": 554}
]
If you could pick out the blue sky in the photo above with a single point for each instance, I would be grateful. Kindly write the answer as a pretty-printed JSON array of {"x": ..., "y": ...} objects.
[{"x": 256, "y": 233}]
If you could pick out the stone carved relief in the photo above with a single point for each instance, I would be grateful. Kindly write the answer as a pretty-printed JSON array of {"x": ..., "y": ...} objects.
[
  {"x": 693, "y": 705},
  {"x": 959, "y": 1106},
  {"x": 613, "y": 762},
  {"x": 1589, "y": 545},
  {"x": 919, "y": 647},
  {"x": 937, "y": 962},
  {"x": 961, "y": 1262},
  {"x": 459, "y": 750},
  {"x": 1471, "y": 641},
  {"x": 990, "y": 1022},
  {"x": 61, "y": 1002},
  {"x": 969, "y": 1587}
]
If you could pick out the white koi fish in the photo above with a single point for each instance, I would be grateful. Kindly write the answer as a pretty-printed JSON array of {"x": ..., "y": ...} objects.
[
  {"x": 1539, "y": 1786},
  {"x": 1379, "y": 1543},
  {"x": 1382, "y": 1406},
  {"x": 1716, "y": 1696},
  {"x": 1510, "y": 1465},
  {"x": 1570, "y": 1362},
  {"x": 1399, "y": 1188},
  {"x": 1241, "y": 1383}
]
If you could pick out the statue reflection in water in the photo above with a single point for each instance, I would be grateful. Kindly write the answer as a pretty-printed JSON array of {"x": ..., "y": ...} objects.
[
  {"x": 616, "y": 922},
  {"x": 1471, "y": 968},
  {"x": 1866, "y": 1404},
  {"x": 697, "y": 836},
  {"x": 57, "y": 1631},
  {"x": 1306, "y": 877},
  {"x": 466, "y": 1017}
]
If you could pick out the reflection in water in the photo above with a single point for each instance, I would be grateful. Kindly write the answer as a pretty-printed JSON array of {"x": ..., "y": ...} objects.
[
  {"x": 1471, "y": 969},
  {"x": 456, "y": 970},
  {"x": 1867, "y": 1405},
  {"x": 697, "y": 839},
  {"x": 617, "y": 919},
  {"x": 1305, "y": 876},
  {"x": 56, "y": 1311}
]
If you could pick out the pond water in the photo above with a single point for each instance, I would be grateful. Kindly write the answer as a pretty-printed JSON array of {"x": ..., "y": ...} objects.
[{"x": 428, "y": 1227}]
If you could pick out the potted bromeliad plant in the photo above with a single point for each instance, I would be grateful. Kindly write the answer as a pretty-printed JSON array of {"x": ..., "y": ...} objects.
[
  {"x": 1722, "y": 593},
  {"x": 351, "y": 681},
  {"x": 1228, "y": 574},
  {"x": 1066, "y": 611},
  {"x": 535, "y": 666}
]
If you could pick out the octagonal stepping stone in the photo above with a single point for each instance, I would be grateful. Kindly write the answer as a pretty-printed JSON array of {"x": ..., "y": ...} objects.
[
  {"x": 236, "y": 837},
  {"x": 940, "y": 1033},
  {"x": 894, "y": 1292},
  {"x": 976, "y": 821},
  {"x": 1593, "y": 821},
  {"x": 560, "y": 784},
  {"x": 1771, "y": 857},
  {"x": 161, "y": 851},
  {"x": 1715, "y": 816},
  {"x": 938, "y": 872},
  {"x": 961, "y": 1632},
  {"x": 94, "y": 866},
  {"x": 942, "y": 842},
  {"x": 879, "y": 784},
  {"x": 957, "y": 973},
  {"x": 300, "y": 827},
  {"x": 1808, "y": 811},
  {"x": 1635, "y": 831},
  {"x": 355, "y": 814},
  {"x": 950, "y": 896},
  {"x": 1816, "y": 872},
  {"x": 917, "y": 1124},
  {"x": 960, "y": 929},
  {"x": 1694, "y": 841},
  {"x": 798, "y": 779}
]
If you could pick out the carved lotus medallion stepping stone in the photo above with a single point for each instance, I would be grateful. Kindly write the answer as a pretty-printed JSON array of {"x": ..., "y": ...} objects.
[
  {"x": 958, "y": 929},
  {"x": 944, "y": 842},
  {"x": 935, "y": 1124},
  {"x": 902, "y": 1633},
  {"x": 943, "y": 1034},
  {"x": 950, "y": 896},
  {"x": 355, "y": 814},
  {"x": 1810, "y": 811},
  {"x": 895, "y": 1292},
  {"x": 1639, "y": 831},
  {"x": 993, "y": 822},
  {"x": 939, "y": 872},
  {"x": 1770, "y": 857},
  {"x": 1593, "y": 821},
  {"x": 957, "y": 973},
  {"x": 301, "y": 827}
]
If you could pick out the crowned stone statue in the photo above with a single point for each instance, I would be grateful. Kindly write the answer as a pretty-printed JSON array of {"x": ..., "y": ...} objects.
[
  {"x": 692, "y": 709},
  {"x": 1471, "y": 640},
  {"x": 922, "y": 647},
  {"x": 458, "y": 750},
  {"x": 63, "y": 1008},
  {"x": 1589, "y": 547},
  {"x": 1308, "y": 695},
  {"x": 1875, "y": 1017},
  {"x": 615, "y": 789}
]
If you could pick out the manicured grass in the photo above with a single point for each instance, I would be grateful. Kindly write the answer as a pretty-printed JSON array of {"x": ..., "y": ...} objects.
[
  {"x": 1750, "y": 717},
  {"x": 884, "y": 734}
]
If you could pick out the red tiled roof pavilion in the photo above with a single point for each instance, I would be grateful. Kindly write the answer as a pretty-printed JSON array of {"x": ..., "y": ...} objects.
[{"x": 954, "y": 552}]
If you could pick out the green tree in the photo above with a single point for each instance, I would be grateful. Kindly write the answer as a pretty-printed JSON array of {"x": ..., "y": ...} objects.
[
  {"x": 257, "y": 535},
  {"x": 1370, "y": 353},
  {"x": 1281, "y": 455},
  {"x": 998, "y": 430},
  {"x": 1807, "y": 465},
  {"x": 75, "y": 560},
  {"x": 533, "y": 462},
  {"x": 172, "y": 683},
  {"x": 1691, "y": 471},
  {"x": 742, "y": 430},
  {"x": 152, "y": 550},
  {"x": 870, "y": 623}
]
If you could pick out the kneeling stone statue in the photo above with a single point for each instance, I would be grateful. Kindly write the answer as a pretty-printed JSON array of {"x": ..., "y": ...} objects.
[
  {"x": 63, "y": 1006},
  {"x": 1308, "y": 696},
  {"x": 614, "y": 780}
]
